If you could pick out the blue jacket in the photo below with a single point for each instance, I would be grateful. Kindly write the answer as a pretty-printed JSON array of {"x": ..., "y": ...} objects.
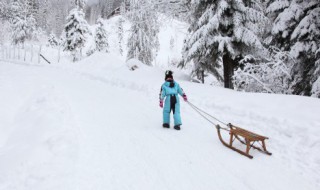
[{"x": 166, "y": 90}]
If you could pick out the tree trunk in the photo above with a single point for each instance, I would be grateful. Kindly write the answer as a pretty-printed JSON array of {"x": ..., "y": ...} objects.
[
  {"x": 228, "y": 66},
  {"x": 202, "y": 76}
]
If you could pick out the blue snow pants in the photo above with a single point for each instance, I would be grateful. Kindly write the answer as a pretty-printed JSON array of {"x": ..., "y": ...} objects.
[
  {"x": 172, "y": 102},
  {"x": 175, "y": 108}
]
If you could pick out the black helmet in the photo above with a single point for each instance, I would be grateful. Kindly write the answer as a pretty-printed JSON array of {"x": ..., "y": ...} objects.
[{"x": 168, "y": 74}]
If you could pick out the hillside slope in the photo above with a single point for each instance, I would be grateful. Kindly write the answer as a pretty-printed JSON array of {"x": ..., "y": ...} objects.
[{"x": 97, "y": 125}]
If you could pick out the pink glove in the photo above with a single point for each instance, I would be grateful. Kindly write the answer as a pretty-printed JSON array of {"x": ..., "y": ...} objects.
[
  {"x": 161, "y": 104},
  {"x": 184, "y": 96}
]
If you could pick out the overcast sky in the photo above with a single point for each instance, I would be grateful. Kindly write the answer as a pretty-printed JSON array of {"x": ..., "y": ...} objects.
[{"x": 90, "y": 2}]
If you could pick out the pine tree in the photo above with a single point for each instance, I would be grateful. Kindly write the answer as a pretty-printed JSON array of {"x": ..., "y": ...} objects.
[
  {"x": 32, "y": 8},
  {"x": 3, "y": 11},
  {"x": 143, "y": 42},
  {"x": 223, "y": 30},
  {"x": 80, "y": 4},
  {"x": 120, "y": 34},
  {"x": 101, "y": 38},
  {"x": 52, "y": 40},
  {"x": 22, "y": 24},
  {"x": 296, "y": 29},
  {"x": 43, "y": 15},
  {"x": 75, "y": 32}
]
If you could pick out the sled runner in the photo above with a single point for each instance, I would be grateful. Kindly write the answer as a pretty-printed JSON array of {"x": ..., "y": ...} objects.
[{"x": 245, "y": 137}]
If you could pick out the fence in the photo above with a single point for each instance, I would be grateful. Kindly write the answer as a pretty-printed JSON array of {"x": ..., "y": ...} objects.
[{"x": 30, "y": 53}]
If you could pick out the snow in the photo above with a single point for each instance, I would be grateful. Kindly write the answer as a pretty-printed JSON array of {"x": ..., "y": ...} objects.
[{"x": 95, "y": 124}]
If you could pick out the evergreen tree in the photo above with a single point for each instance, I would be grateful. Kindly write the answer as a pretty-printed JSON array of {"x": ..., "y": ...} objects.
[
  {"x": 22, "y": 24},
  {"x": 43, "y": 15},
  {"x": 223, "y": 30},
  {"x": 296, "y": 29},
  {"x": 80, "y": 4},
  {"x": 75, "y": 32},
  {"x": 101, "y": 38},
  {"x": 120, "y": 34},
  {"x": 3, "y": 11},
  {"x": 143, "y": 42},
  {"x": 52, "y": 40},
  {"x": 32, "y": 8}
]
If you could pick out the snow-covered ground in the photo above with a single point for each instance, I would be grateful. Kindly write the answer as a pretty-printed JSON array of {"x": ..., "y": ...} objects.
[{"x": 95, "y": 124}]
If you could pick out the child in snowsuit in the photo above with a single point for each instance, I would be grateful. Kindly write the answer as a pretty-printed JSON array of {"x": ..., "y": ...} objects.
[{"x": 170, "y": 90}]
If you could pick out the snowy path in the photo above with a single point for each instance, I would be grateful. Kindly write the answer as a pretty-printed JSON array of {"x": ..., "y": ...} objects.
[{"x": 68, "y": 129}]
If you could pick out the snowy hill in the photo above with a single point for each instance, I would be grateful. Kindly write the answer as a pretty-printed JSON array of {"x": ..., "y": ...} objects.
[{"x": 97, "y": 125}]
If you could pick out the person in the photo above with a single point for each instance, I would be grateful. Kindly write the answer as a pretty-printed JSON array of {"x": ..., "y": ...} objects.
[{"x": 169, "y": 100}]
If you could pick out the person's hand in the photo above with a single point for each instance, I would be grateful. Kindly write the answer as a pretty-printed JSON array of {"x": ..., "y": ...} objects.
[
  {"x": 161, "y": 104},
  {"x": 184, "y": 96}
]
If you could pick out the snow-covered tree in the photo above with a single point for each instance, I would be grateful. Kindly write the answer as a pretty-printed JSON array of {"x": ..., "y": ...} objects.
[
  {"x": 296, "y": 29},
  {"x": 177, "y": 9},
  {"x": 32, "y": 8},
  {"x": 221, "y": 31},
  {"x": 315, "y": 92},
  {"x": 75, "y": 32},
  {"x": 52, "y": 40},
  {"x": 120, "y": 34},
  {"x": 3, "y": 10},
  {"x": 80, "y": 4},
  {"x": 101, "y": 37},
  {"x": 143, "y": 42},
  {"x": 22, "y": 24}
]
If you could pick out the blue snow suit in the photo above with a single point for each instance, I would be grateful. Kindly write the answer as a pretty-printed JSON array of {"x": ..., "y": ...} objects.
[{"x": 170, "y": 90}]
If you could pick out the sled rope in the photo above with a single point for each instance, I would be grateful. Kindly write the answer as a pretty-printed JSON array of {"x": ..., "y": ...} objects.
[{"x": 205, "y": 115}]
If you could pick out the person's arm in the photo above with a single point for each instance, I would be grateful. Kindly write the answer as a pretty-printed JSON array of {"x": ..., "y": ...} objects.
[
  {"x": 181, "y": 92},
  {"x": 162, "y": 94}
]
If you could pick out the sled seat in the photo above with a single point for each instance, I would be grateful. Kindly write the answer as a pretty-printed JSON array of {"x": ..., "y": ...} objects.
[
  {"x": 249, "y": 139},
  {"x": 245, "y": 137}
]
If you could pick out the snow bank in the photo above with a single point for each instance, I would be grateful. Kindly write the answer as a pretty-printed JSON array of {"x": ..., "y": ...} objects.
[{"x": 96, "y": 124}]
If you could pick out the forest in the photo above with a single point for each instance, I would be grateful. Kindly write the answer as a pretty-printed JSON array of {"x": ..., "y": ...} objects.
[{"x": 269, "y": 46}]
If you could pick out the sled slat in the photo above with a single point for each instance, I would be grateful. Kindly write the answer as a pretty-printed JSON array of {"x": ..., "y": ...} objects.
[{"x": 249, "y": 139}]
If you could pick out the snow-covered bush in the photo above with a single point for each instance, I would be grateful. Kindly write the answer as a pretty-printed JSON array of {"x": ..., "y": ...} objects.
[
  {"x": 91, "y": 51},
  {"x": 272, "y": 76}
]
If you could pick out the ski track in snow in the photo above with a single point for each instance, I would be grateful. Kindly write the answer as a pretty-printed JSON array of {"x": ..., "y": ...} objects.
[{"x": 72, "y": 128}]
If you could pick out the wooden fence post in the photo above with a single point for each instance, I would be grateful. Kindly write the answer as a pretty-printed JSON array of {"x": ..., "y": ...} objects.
[
  {"x": 59, "y": 54},
  {"x": 9, "y": 52},
  {"x": 19, "y": 52},
  {"x": 14, "y": 52},
  {"x": 31, "y": 53},
  {"x": 39, "y": 54},
  {"x": 25, "y": 53}
]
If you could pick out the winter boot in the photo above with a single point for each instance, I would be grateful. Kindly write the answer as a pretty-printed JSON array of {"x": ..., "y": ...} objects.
[
  {"x": 166, "y": 125},
  {"x": 177, "y": 127}
]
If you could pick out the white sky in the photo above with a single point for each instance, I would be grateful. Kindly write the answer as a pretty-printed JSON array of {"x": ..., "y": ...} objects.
[{"x": 92, "y": 1}]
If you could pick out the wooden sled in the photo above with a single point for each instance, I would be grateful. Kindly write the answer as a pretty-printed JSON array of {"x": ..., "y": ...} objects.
[{"x": 245, "y": 137}]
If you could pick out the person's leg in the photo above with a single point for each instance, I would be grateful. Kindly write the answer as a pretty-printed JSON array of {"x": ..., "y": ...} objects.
[
  {"x": 177, "y": 117},
  {"x": 166, "y": 113}
]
